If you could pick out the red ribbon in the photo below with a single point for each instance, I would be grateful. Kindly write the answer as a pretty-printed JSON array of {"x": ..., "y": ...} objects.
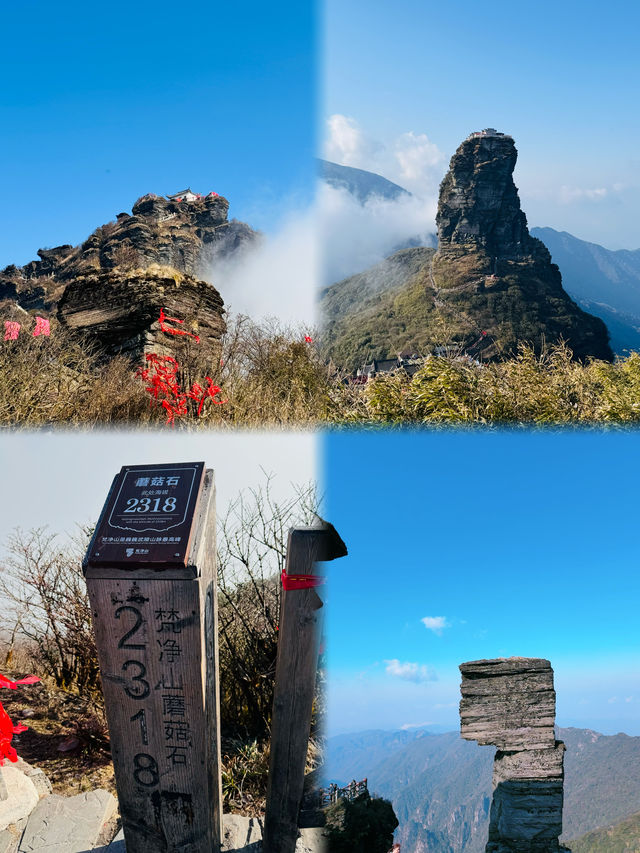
[
  {"x": 171, "y": 331},
  {"x": 300, "y": 581},
  {"x": 6, "y": 682},
  {"x": 7, "y": 728}
]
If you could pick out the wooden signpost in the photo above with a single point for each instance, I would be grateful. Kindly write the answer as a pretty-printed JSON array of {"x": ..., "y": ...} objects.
[
  {"x": 298, "y": 644},
  {"x": 151, "y": 576}
]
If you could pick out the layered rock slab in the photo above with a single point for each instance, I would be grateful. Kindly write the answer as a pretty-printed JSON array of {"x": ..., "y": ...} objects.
[
  {"x": 510, "y": 703},
  {"x": 120, "y": 311}
]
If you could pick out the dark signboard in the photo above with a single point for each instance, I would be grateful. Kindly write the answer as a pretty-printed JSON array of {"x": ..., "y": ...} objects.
[{"x": 148, "y": 517}]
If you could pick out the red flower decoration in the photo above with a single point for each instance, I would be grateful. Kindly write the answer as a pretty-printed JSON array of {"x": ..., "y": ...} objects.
[{"x": 308, "y": 339}]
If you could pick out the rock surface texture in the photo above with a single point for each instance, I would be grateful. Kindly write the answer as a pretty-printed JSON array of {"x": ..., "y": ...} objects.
[
  {"x": 114, "y": 283},
  {"x": 490, "y": 270},
  {"x": 510, "y": 703},
  {"x": 120, "y": 310}
]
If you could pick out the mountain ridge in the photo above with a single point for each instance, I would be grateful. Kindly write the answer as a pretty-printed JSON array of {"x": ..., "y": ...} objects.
[{"x": 440, "y": 785}]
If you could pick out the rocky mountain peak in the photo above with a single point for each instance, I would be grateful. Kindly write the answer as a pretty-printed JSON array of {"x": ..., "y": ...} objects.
[
  {"x": 511, "y": 703},
  {"x": 489, "y": 273},
  {"x": 186, "y": 233},
  {"x": 113, "y": 285},
  {"x": 479, "y": 201}
]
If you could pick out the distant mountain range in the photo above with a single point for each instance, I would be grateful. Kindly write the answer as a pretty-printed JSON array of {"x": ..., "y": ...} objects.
[
  {"x": 440, "y": 785},
  {"x": 604, "y": 282},
  {"x": 360, "y": 183}
]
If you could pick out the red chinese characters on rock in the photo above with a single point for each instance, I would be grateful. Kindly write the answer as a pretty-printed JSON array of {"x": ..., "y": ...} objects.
[
  {"x": 11, "y": 330},
  {"x": 7, "y": 728}
]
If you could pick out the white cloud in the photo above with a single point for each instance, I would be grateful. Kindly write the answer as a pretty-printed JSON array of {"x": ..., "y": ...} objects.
[
  {"x": 406, "y": 726},
  {"x": 416, "y": 672},
  {"x": 416, "y": 156},
  {"x": 346, "y": 143},
  {"x": 436, "y": 624},
  {"x": 568, "y": 195},
  {"x": 355, "y": 236},
  {"x": 278, "y": 275},
  {"x": 410, "y": 159}
]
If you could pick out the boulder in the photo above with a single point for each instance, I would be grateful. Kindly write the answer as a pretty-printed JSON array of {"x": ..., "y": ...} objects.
[{"x": 119, "y": 312}]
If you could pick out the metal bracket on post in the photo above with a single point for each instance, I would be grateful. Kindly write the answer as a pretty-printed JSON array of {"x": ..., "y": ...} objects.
[
  {"x": 151, "y": 576},
  {"x": 298, "y": 643}
]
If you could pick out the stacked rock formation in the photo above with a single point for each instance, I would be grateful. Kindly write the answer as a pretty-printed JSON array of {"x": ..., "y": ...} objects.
[
  {"x": 113, "y": 285},
  {"x": 489, "y": 273},
  {"x": 510, "y": 703}
]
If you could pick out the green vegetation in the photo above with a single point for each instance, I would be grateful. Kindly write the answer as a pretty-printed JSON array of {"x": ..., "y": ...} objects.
[
  {"x": 363, "y": 825},
  {"x": 417, "y": 299},
  {"x": 549, "y": 388},
  {"x": 380, "y": 312},
  {"x": 270, "y": 376},
  {"x": 623, "y": 837}
]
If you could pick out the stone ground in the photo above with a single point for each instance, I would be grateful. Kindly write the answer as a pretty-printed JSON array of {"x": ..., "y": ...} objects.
[{"x": 37, "y": 821}]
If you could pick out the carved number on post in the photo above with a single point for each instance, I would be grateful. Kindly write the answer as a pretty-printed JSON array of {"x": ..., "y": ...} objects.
[
  {"x": 137, "y": 692},
  {"x": 143, "y": 725},
  {"x": 136, "y": 627},
  {"x": 145, "y": 767},
  {"x": 148, "y": 769}
]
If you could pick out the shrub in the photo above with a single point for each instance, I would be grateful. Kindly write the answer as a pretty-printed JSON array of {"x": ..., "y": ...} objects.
[{"x": 363, "y": 825}]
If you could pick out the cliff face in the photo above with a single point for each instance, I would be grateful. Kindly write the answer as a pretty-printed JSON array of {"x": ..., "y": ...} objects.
[
  {"x": 120, "y": 311},
  {"x": 113, "y": 285},
  {"x": 490, "y": 272},
  {"x": 510, "y": 703},
  {"x": 479, "y": 201}
]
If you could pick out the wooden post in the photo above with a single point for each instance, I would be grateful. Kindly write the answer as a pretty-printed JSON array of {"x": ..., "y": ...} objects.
[
  {"x": 151, "y": 576},
  {"x": 298, "y": 643}
]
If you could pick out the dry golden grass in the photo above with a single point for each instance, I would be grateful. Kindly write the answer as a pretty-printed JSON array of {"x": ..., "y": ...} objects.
[
  {"x": 270, "y": 376},
  {"x": 530, "y": 389}
]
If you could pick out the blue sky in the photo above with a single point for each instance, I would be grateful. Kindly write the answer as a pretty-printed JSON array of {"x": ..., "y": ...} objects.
[
  {"x": 562, "y": 78},
  {"x": 507, "y": 544},
  {"x": 60, "y": 479},
  {"x": 101, "y": 104}
]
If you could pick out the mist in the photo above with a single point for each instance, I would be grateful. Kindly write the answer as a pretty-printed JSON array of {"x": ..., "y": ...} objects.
[
  {"x": 277, "y": 276},
  {"x": 355, "y": 236}
]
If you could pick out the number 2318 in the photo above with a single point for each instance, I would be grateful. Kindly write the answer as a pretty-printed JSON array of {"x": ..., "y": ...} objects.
[{"x": 150, "y": 505}]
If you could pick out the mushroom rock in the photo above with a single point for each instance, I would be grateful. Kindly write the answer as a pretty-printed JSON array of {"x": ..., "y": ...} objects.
[{"x": 510, "y": 703}]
